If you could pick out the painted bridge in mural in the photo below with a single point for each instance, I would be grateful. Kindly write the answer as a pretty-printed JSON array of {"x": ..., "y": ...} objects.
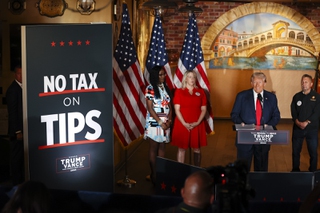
[
  {"x": 257, "y": 45},
  {"x": 262, "y": 47}
]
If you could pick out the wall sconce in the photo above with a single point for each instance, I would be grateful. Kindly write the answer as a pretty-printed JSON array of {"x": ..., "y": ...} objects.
[
  {"x": 17, "y": 6},
  {"x": 190, "y": 8},
  {"x": 159, "y": 7},
  {"x": 86, "y": 7}
]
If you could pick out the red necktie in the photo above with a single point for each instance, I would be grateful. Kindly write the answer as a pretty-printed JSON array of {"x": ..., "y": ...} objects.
[{"x": 258, "y": 111}]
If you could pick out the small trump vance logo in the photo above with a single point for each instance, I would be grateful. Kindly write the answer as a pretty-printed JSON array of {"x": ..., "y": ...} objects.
[
  {"x": 73, "y": 163},
  {"x": 263, "y": 137}
]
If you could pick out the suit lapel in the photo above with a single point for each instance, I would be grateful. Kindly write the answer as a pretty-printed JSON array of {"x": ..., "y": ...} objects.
[{"x": 251, "y": 100}]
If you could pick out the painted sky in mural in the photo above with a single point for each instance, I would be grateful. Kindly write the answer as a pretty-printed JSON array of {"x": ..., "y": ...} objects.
[
  {"x": 259, "y": 23},
  {"x": 263, "y": 41}
]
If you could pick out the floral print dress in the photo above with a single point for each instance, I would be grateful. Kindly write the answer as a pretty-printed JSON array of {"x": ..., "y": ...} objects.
[{"x": 161, "y": 106}]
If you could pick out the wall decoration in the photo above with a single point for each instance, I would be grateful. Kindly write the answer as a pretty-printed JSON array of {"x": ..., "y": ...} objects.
[
  {"x": 51, "y": 8},
  {"x": 17, "y": 6},
  {"x": 263, "y": 41}
]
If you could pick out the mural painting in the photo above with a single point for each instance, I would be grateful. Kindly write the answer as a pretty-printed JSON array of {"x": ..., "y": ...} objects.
[{"x": 263, "y": 41}]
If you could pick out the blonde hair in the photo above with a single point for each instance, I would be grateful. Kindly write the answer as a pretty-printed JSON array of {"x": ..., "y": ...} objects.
[{"x": 184, "y": 78}]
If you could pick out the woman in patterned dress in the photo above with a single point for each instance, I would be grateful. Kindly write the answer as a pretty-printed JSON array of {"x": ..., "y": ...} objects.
[
  {"x": 190, "y": 105},
  {"x": 159, "y": 117}
]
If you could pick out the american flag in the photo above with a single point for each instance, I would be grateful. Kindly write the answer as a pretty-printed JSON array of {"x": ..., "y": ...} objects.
[
  {"x": 191, "y": 58},
  {"x": 129, "y": 108},
  {"x": 157, "y": 54}
]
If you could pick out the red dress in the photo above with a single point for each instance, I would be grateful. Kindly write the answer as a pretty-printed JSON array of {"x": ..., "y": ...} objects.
[{"x": 190, "y": 108}]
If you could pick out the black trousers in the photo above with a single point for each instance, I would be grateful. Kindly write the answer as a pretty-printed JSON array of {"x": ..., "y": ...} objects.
[
  {"x": 260, "y": 154},
  {"x": 311, "y": 137},
  {"x": 17, "y": 161}
]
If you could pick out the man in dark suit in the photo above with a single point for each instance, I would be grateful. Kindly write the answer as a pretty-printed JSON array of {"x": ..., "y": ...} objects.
[
  {"x": 244, "y": 112},
  {"x": 15, "y": 127}
]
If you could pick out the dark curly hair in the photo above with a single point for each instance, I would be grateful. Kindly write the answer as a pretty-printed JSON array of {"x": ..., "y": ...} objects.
[{"x": 154, "y": 81}]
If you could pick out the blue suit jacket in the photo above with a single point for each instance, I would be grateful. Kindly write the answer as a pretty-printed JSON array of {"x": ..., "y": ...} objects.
[
  {"x": 244, "y": 108},
  {"x": 244, "y": 112}
]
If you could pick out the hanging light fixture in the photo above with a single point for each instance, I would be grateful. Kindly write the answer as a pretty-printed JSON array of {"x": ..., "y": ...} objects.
[
  {"x": 160, "y": 7},
  {"x": 159, "y": 3},
  {"x": 190, "y": 7}
]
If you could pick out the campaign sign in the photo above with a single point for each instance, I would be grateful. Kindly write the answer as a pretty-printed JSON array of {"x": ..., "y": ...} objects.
[
  {"x": 67, "y": 88},
  {"x": 275, "y": 137}
]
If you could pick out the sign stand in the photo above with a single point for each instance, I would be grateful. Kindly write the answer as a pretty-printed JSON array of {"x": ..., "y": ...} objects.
[{"x": 126, "y": 181}]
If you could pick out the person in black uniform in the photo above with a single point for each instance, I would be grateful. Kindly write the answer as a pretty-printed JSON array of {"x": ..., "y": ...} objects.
[
  {"x": 197, "y": 194},
  {"x": 305, "y": 111},
  {"x": 15, "y": 127}
]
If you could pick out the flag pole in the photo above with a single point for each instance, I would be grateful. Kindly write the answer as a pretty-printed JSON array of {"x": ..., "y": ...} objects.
[
  {"x": 126, "y": 181},
  {"x": 128, "y": 85}
]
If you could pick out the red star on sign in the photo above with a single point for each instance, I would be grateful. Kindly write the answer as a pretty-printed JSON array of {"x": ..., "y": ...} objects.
[
  {"x": 173, "y": 189},
  {"x": 79, "y": 43},
  {"x": 53, "y": 44},
  {"x": 61, "y": 43},
  {"x": 70, "y": 43},
  {"x": 87, "y": 42},
  {"x": 163, "y": 186}
]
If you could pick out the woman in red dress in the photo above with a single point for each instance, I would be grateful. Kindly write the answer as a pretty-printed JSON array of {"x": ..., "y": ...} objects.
[{"x": 190, "y": 105}]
